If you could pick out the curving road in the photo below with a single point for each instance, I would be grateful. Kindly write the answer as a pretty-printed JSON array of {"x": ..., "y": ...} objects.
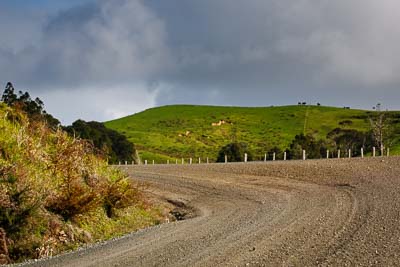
[{"x": 299, "y": 213}]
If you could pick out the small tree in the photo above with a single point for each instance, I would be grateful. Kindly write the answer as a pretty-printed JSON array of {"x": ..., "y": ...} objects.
[
  {"x": 235, "y": 152},
  {"x": 381, "y": 129},
  {"x": 314, "y": 148},
  {"x": 23, "y": 102}
]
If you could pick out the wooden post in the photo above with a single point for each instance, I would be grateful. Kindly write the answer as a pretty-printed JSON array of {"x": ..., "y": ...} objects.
[
  {"x": 388, "y": 152},
  {"x": 338, "y": 154},
  {"x": 207, "y": 160},
  {"x": 133, "y": 162},
  {"x": 145, "y": 162},
  {"x": 199, "y": 160},
  {"x": 183, "y": 161},
  {"x": 265, "y": 157},
  {"x": 327, "y": 154},
  {"x": 349, "y": 153},
  {"x": 284, "y": 155},
  {"x": 245, "y": 157},
  {"x": 273, "y": 156},
  {"x": 373, "y": 151},
  {"x": 226, "y": 159},
  {"x": 362, "y": 152},
  {"x": 190, "y": 161},
  {"x": 304, "y": 154}
]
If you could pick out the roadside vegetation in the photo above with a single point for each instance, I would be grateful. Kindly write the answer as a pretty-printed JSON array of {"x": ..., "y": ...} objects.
[
  {"x": 115, "y": 147},
  {"x": 56, "y": 191}
]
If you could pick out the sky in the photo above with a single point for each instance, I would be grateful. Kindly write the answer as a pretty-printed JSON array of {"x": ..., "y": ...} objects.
[{"x": 104, "y": 59}]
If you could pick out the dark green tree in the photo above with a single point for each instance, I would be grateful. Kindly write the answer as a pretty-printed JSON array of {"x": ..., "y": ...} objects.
[
  {"x": 345, "y": 139},
  {"x": 113, "y": 144},
  {"x": 314, "y": 148},
  {"x": 23, "y": 102},
  {"x": 235, "y": 152}
]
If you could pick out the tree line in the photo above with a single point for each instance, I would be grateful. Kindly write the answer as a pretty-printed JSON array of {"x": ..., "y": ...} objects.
[
  {"x": 380, "y": 135},
  {"x": 109, "y": 143}
]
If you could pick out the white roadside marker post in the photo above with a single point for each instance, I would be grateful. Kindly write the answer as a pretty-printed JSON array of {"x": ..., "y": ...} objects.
[
  {"x": 338, "y": 154},
  {"x": 153, "y": 162},
  {"x": 190, "y": 161},
  {"x": 284, "y": 155},
  {"x": 265, "y": 157},
  {"x": 327, "y": 154},
  {"x": 362, "y": 153},
  {"x": 226, "y": 159},
  {"x": 274, "y": 156},
  {"x": 145, "y": 162},
  {"x": 245, "y": 157},
  {"x": 304, "y": 154},
  {"x": 207, "y": 160},
  {"x": 388, "y": 152},
  {"x": 199, "y": 160},
  {"x": 374, "y": 152},
  {"x": 183, "y": 161},
  {"x": 349, "y": 153}
]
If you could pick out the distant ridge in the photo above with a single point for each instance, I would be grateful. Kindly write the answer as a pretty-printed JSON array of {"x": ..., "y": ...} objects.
[{"x": 177, "y": 131}]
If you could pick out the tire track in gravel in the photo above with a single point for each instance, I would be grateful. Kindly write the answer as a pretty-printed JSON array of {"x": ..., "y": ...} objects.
[{"x": 310, "y": 213}]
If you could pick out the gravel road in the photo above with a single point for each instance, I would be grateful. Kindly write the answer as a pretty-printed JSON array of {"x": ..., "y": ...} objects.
[{"x": 339, "y": 212}]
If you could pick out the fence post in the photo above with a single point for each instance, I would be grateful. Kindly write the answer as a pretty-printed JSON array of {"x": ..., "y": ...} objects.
[
  {"x": 183, "y": 161},
  {"x": 338, "y": 154},
  {"x": 207, "y": 160},
  {"x": 133, "y": 162},
  {"x": 176, "y": 161},
  {"x": 245, "y": 157},
  {"x": 190, "y": 161},
  {"x": 327, "y": 154},
  {"x": 167, "y": 161},
  {"x": 274, "y": 156},
  {"x": 373, "y": 151},
  {"x": 304, "y": 154},
  {"x": 382, "y": 151},
  {"x": 153, "y": 162},
  {"x": 226, "y": 159},
  {"x": 362, "y": 153},
  {"x": 265, "y": 157},
  {"x": 284, "y": 155},
  {"x": 199, "y": 160},
  {"x": 349, "y": 153},
  {"x": 145, "y": 162}
]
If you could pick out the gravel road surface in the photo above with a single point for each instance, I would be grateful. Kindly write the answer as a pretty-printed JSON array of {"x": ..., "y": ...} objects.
[{"x": 339, "y": 212}]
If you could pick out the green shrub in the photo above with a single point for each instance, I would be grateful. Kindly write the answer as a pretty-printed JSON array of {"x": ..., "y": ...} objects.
[{"x": 49, "y": 181}]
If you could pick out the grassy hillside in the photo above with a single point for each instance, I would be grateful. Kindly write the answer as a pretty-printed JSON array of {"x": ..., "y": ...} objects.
[
  {"x": 56, "y": 193},
  {"x": 186, "y": 131}
]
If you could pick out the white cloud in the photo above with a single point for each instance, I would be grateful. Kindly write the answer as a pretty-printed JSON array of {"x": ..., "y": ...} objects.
[
  {"x": 255, "y": 52},
  {"x": 101, "y": 104}
]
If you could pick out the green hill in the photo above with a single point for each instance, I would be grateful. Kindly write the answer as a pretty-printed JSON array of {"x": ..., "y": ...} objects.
[{"x": 177, "y": 131}]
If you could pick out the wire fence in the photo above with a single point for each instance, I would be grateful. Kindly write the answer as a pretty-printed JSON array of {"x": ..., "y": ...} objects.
[{"x": 338, "y": 154}]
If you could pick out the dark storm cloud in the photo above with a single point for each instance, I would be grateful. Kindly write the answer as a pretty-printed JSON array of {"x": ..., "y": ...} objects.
[{"x": 230, "y": 52}]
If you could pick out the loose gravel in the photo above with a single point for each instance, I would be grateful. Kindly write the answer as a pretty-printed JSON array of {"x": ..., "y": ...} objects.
[{"x": 339, "y": 212}]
